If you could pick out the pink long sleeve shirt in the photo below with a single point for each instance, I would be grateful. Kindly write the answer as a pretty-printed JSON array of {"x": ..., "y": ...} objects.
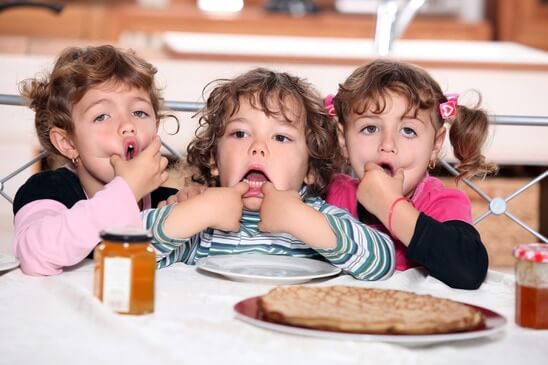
[
  {"x": 430, "y": 197},
  {"x": 49, "y": 236}
]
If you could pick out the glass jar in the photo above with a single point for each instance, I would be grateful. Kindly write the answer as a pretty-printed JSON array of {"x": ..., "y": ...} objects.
[
  {"x": 532, "y": 285},
  {"x": 125, "y": 264}
]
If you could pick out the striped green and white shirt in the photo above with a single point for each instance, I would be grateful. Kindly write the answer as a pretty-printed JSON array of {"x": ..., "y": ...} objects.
[{"x": 361, "y": 251}]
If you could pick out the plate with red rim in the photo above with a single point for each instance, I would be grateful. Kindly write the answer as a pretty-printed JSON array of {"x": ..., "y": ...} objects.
[{"x": 247, "y": 310}]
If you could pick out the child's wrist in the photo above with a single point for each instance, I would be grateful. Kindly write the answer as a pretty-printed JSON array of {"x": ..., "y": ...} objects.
[
  {"x": 391, "y": 212},
  {"x": 207, "y": 206},
  {"x": 291, "y": 222}
]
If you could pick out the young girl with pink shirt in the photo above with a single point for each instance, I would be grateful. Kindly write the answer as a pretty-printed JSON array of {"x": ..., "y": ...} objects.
[
  {"x": 99, "y": 111},
  {"x": 394, "y": 117}
]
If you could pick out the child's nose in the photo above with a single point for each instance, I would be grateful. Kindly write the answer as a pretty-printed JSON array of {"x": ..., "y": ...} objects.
[
  {"x": 387, "y": 144},
  {"x": 127, "y": 127},
  {"x": 258, "y": 148}
]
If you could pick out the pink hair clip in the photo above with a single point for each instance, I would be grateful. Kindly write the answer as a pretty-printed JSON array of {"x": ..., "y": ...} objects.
[
  {"x": 328, "y": 104},
  {"x": 448, "y": 110}
]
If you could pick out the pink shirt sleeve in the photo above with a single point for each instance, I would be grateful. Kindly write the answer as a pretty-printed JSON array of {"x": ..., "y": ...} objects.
[
  {"x": 342, "y": 193},
  {"x": 443, "y": 204},
  {"x": 49, "y": 237}
]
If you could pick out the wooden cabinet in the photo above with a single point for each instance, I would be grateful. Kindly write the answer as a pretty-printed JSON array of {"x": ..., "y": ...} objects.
[
  {"x": 108, "y": 20},
  {"x": 522, "y": 21},
  {"x": 81, "y": 21}
]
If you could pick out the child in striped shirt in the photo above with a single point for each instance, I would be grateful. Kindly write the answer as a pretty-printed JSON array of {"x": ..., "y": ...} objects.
[{"x": 266, "y": 149}]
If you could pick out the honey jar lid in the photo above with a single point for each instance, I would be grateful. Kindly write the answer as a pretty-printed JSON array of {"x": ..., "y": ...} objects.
[
  {"x": 536, "y": 252},
  {"x": 126, "y": 234}
]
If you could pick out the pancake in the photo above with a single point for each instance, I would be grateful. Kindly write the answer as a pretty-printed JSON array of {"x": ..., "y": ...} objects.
[{"x": 366, "y": 310}]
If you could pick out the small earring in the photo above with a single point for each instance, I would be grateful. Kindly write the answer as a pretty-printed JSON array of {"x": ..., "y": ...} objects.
[
  {"x": 431, "y": 165},
  {"x": 347, "y": 168},
  {"x": 75, "y": 160}
]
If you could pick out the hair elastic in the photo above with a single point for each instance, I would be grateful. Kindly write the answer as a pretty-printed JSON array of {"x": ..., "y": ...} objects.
[
  {"x": 328, "y": 104},
  {"x": 448, "y": 109}
]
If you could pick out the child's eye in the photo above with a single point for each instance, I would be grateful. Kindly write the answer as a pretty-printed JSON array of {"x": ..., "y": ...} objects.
[
  {"x": 370, "y": 129},
  {"x": 140, "y": 114},
  {"x": 239, "y": 134},
  {"x": 282, "y": 138},
  {"x": 408, "y": 132},
  {"x": 101, "y": 118}
]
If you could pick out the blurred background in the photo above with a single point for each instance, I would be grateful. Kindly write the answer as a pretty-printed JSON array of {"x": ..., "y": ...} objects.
[{"x": 498, "y": 47}]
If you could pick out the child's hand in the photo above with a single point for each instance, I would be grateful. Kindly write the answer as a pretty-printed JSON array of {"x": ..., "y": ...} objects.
[
  {"x": 275, "y": 208},
  {"x": 144, "y": 173},
  {"x": 377, "y": 189},
  {"x": 225, "y": 206},
  {"x": 185, "y": 193}
]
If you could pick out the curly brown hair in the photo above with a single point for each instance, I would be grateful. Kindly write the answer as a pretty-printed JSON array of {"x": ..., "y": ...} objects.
[
  {"x": 368, "y": 86},
  {"x": 267, "y": 91},
  {"x": 75, "y": 72}
]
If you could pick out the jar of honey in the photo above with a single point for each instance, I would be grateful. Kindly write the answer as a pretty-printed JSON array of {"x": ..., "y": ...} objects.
[
  {"x": 532, "y": 285},
  {"x": 125, "y": 264}
]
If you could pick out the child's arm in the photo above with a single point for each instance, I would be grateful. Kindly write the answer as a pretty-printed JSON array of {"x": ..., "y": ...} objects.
[
  {"x": 445, "y": 242},
  {"x": 439, "y": 238},
  {"x": 451, "y": 251},
  {"x": 284, "y": 211},
  {"x": 168, "y": 249},
  {"x": 357, "y": 249},
  {"x": 49, "y": 236},
  {"x": 174, "y": 227},
  {"x": 382, "y": 195},
  {"x": 183, "y": 194}
]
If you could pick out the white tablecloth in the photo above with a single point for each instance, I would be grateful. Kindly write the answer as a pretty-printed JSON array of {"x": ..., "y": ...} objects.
[{"x": 56, "y": 320}]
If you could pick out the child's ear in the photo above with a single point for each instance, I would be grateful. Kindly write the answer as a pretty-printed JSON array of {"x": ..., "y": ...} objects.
[
  {"x": 438, "y": 143},
  {"x": 310, "y": 177},
  {"x": 214, "y": 169},
  {"x": 63, "y": 142}
]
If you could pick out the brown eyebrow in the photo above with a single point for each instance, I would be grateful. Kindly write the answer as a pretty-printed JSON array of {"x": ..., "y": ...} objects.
[
  {"x": 102, "y": 100},
  {"x": 233, "y": 120},
  {"x": 282, "y": 121},
  {"x": 366, "y": 116},
  {"x": 415, "y": 118},
  {"x": 140, "y": 98},
  {"x": 96, "y": 102},
  {"x": 376, "y": 116},
  {"x": 291, "y": 124}
]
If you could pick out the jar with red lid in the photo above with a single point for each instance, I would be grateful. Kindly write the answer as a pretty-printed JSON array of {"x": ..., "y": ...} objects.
[
  {"x": 125, "y": 265},
  {"x": 532, "y": 285}
]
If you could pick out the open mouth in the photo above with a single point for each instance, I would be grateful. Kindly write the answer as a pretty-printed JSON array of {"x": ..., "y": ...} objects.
[
  {"x": 255, "y": 179},
  {"x": 130, "y": 152},
  {"x": 388, "y": 169},
  {"x": 131, "y": 148}
]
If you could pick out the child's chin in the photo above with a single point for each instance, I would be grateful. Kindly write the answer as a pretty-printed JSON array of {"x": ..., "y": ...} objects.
[{"x": 252, "y": 203}]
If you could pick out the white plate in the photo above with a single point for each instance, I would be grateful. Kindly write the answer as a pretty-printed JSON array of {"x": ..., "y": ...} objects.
[
  {"x": 272, "y": 269},
  {"x": 247, "y": 311},
  {"x": 7, "y": 262}
]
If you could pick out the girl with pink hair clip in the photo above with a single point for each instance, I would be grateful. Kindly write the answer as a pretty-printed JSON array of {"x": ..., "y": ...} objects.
[{"x": 393, "y": 118}]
